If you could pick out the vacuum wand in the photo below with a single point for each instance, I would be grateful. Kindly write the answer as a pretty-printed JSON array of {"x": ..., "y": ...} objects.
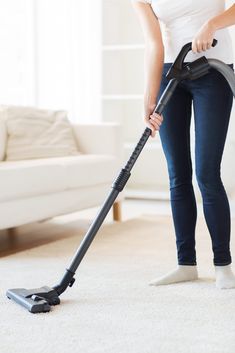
[
  {"x": 117, "y": 186},
  {"x": 41, "y": 299}
]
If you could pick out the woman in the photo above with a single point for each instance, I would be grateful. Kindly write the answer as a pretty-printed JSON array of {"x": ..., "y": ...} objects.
[{"x": 183, "y": 21}]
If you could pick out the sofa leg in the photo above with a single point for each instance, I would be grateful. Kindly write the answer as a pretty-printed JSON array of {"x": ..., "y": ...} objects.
[
  {"x": 12, "y": 235},
  {"x": 117, "y": 211},
  {"x": 11, "y": 232}
]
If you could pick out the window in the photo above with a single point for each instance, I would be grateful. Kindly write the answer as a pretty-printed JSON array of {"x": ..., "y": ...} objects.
[{"x": 51, "y": 55}]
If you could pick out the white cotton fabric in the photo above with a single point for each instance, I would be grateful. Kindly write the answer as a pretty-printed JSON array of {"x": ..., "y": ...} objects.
[
  {"x": 37, "y": 133},
  {"x": 32, "y": 178},
  {"x": 180, "y": 20},
  {"x": 3, "y": 134}
]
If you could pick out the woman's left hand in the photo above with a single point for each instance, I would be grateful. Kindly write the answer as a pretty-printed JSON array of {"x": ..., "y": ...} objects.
[{"x": 204, "y": 38}]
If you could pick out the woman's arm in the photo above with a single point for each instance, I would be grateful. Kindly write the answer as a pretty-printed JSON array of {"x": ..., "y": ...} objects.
[
  {"x": 204, "y": 38},
  {"x": 226, "y": 19},
  {"x": 154, "y": 58}
]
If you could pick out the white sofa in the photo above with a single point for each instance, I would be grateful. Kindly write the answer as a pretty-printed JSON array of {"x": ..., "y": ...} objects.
[{"x": 35, "y": 190}]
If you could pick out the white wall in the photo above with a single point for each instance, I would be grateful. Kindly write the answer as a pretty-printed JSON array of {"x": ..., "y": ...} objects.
[{"x": 228, "y": 164}]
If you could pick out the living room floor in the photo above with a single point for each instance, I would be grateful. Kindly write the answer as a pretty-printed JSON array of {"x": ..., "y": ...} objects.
[
  {"x": 36, "y": 234},
  {"x": 112, "y": 308},
  {"x": 135, "y": 207}
]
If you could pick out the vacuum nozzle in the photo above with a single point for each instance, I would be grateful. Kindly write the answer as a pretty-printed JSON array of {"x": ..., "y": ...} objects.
[{"x": 37, "y": 300}]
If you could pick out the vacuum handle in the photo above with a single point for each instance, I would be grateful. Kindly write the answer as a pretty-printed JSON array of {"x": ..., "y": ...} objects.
[
  {"x": 178, "y": 64},
  {"x": 176, "y": 67}
]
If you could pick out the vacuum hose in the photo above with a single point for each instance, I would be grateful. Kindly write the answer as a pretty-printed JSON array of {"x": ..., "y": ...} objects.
[{"x": 225, "y": 70}]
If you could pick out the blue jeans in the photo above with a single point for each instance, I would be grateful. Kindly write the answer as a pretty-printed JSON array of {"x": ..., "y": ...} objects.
[{"x": 212, "y": 103}]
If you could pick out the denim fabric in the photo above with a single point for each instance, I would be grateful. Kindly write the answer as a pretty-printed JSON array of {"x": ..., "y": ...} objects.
[{"x": 211, "y": 98}]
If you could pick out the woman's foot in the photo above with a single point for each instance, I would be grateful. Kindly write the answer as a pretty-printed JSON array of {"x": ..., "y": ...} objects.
[
  {"x": 225, "y": 277},
  {"x": 181, "y": 274}
]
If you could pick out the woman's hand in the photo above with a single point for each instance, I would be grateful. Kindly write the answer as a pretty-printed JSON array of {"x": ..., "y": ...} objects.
[
  {"x": 152, "y": 120},
  {"x": 204, "y": 38}
]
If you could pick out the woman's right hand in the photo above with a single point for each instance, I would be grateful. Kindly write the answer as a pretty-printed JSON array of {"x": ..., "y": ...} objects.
[{"x": 153, "y": 120}]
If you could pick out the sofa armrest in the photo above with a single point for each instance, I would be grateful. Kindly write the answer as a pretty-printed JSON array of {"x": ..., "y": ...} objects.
[{"x": 100, "y": 138}]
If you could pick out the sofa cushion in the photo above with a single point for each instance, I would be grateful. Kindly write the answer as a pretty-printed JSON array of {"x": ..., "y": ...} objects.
[
  {"x": 22, "y": 179},
  {"x": 89, "y": 169},
  {"x": 3, "y": 138},
  {"x": 38, "y": 133},
  {"x": 29, "y": 178}
]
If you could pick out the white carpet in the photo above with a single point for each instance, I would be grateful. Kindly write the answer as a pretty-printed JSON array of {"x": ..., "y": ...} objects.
[{"x": 111, "y": 308}]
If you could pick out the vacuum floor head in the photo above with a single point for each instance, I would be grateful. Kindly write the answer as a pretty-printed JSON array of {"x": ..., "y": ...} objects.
[{"x": 37, "y": 300}]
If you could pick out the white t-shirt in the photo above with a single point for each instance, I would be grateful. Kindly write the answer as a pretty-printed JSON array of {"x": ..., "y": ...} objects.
[{"x": 180, "y": 20}]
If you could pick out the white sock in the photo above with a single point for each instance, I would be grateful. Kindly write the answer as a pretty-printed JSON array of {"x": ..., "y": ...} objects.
[
  {"x": 225, "y": 277},
  {"x": 180, "y": 274}
]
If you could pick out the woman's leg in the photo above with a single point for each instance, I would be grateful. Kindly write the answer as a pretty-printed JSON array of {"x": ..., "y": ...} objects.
[
  {"x": 213, "y": 100},
  {"x": 175, "y": 138}
]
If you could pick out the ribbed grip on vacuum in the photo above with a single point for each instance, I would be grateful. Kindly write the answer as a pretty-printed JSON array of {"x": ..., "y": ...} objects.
[
  {"x": 121, "y": 180},
  {"x": 140, "y": 145}
]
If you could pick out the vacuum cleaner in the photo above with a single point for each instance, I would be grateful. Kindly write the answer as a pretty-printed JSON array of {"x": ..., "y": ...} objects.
[{"x": 41, "y": 299}]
